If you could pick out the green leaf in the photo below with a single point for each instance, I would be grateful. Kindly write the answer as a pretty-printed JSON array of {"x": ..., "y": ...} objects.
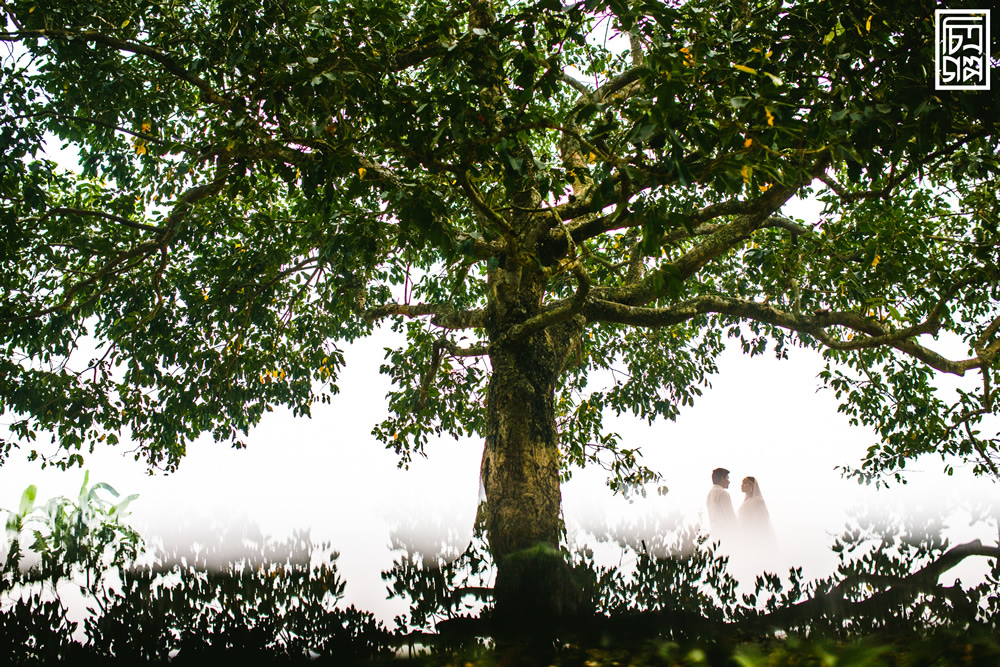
[
  {"x": 102, "y": 486},
  {"x": 119, "y": 509},
  {"x": 27, "y": 500},
  {"x": 83, "y": 489},
  {"x": 837, "y": 31}
]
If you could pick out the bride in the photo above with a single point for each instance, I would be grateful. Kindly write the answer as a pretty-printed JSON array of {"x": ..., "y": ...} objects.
[{"x": 754, "y": 520}]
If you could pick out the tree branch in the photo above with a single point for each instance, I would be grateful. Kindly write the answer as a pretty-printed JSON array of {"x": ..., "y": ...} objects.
[
  {"x": 480, "y": 205},
  {"x": 440, "y": 345},
  {"x": 110, "y": 126},
  {"x": 428, "y": 378},
  {"x": 168, "y": 63},
  {"x": 752, "y": 215},
  {"x": 983, "y": 350},
  {"x": 599, "y": 310},
  {"x": 105, "y": 271},
  {"x": 613, "y": 85},
  {"x": 577, "y": 85},
  {"x": 707, "y": 229},
  {"x": 456, "y": 350},
  {"x": 921, "y": 581},
  {"x": 768, "y": 204},
  {"x": 846, "y": 196},
  {"x": 635, "y": 45},
  {"x": 561, "y": 312},
  {"x": 442, "y": 315},
  {"x": 190, "y": 198},
  {"x": 65, "y": 210},
  {"x": 166, "y": 234}
]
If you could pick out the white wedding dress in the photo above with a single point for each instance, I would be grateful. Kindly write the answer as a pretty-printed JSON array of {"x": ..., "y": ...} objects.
[{"x": 754, "y": 521}]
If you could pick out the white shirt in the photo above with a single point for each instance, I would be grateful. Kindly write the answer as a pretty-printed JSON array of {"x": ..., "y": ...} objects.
[{"x": 721, "y": 517}]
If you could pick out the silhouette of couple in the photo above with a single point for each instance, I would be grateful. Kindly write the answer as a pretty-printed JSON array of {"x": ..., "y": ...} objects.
[{"x": 753, "y": 524}]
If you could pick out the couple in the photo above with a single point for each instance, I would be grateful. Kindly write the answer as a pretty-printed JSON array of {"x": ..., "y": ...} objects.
[{"x": 754, "y": 524}]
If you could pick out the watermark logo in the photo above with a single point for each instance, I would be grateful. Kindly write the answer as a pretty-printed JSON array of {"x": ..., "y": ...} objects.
[{"x": 962, "y": 49}]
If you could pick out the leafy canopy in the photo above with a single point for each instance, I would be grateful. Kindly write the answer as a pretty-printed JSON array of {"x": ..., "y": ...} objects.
[{"x": 260, "y": 181}]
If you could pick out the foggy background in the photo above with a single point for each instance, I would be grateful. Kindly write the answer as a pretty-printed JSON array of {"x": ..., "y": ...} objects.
[{"x": 328, "y": 475}]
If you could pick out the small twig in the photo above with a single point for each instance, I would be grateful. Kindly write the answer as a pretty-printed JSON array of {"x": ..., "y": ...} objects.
[
  {"x": 287, "y": 317},
  {"x": 429, "y": 374},
  {"x": 480, "y": 204},
  {"x": 440, "y": 346},
  {"x": 111, "y": 126}
]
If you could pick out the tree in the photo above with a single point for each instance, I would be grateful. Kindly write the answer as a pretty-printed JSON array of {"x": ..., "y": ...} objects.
[{"x": 530, "y": 200}]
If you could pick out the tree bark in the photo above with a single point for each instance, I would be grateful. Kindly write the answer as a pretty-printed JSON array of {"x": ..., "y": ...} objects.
[{"x": 534, "y": 590}]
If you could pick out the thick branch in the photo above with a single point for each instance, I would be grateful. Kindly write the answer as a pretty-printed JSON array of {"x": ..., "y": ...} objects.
[
  {"x": 708, "y": 228},
  {"x": 635, "y": 44},
  {"x": 767, "y": 204},
  {"x": 814, "y": 325},
  {"x": 378, "y": 170},
  {"x": 649, "y": 288},
  {"x": 456, "y": 350},
  {"x": 565, "y": 309},
  {"x": 980, "y": 346},
  {"x": 752, "y": 215},
  {"x": 190, "y": 198},
  {"x": 577, "y": 85},
  {"x": 614, "y": 85}
]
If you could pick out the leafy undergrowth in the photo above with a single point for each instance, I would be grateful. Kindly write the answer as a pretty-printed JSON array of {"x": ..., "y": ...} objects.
[{"x": 280, "y": 603}]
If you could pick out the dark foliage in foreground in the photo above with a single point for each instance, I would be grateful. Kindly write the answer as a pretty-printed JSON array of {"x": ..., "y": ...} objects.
[
  {"x": 277, "y": 602},
  {"x": 279, "y": 607},
  {"x": 682, "y": 592}
]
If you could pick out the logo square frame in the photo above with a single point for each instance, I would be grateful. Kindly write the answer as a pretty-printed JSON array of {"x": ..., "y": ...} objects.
[{"x": 962, "y": 41}]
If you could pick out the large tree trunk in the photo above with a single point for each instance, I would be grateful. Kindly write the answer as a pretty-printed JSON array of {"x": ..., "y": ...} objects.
[{"x": 534, "y": 590}]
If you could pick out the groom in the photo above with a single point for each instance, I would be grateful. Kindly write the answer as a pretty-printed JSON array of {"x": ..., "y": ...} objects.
[{"x": 721, "y": 517}]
